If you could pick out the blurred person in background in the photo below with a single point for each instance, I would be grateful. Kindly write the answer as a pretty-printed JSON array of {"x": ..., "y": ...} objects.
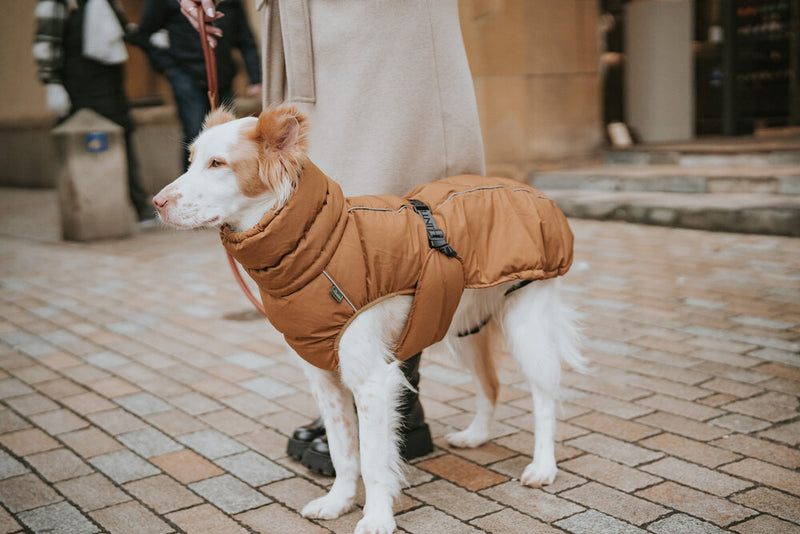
[
  {"x": 80, "y": 56},
  {"x": 180, "y": 58}
]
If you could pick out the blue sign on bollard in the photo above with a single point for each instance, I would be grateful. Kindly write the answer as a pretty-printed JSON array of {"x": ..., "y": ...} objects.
[{"x": 96, "y": 142}]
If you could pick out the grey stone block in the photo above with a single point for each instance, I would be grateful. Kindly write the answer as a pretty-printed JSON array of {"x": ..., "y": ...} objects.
[
  {"x": 149, "y": 442},
  {"x": 593, "y": 522},
  {"x": 680, "y": 523},
  {"x": 212, "y": 444},
  {"x": 123, "y": 466},
  {"x": 253, "y": 468},
  {"x": 10, "y": 467},
  {"x": 143, "y": 404},
  {"x": 266, "y": 387},
  {"x": 61, "y": 518},
  {"x": 230, "y": 495}
]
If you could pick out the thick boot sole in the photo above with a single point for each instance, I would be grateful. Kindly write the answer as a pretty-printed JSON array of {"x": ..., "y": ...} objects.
[
  {"x": 296, "y": 448},
  {"x": 318, "y": 463}
]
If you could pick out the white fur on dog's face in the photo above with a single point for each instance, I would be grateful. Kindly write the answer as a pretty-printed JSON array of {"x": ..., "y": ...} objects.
[
  {"x": 208, "y": 193},
  {"x": 240, "y": 169}
]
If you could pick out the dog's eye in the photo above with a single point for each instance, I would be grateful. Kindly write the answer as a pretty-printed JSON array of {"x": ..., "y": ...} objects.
[{"x": 214, "y": 163}]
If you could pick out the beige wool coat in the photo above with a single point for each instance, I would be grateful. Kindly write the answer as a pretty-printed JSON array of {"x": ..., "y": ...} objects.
[{"x": 385, "y": 83}]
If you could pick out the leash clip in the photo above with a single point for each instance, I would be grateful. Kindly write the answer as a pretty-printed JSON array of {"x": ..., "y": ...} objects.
[{"x": 436, "y": 237}]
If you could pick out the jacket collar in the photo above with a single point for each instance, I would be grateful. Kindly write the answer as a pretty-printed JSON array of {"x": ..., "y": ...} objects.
[{"x": 291, "y": 246}]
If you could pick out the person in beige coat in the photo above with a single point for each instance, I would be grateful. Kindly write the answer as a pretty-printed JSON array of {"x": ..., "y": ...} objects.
[{"x": 389, "y": 94}]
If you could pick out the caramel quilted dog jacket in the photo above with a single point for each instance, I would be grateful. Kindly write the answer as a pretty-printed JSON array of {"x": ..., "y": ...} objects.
[{"x": 323, "y": 258}]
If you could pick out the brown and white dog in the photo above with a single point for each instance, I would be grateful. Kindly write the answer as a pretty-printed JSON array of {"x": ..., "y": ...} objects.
[{"x": 243, "y": 168}]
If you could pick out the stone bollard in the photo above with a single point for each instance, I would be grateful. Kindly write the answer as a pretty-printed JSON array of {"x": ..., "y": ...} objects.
[{"x": 92, "y": 178}]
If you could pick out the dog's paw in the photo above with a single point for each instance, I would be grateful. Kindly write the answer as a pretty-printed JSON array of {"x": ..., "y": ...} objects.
[
  {"x": 375, "y": 525},
  {"x": 328, "y": 507},
  {"x": 467, "y": 439},
  {"x": 536, "y": 475}
]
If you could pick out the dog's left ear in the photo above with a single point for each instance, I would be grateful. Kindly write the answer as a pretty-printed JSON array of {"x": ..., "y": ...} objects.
[{"x": 283, "y": 129}]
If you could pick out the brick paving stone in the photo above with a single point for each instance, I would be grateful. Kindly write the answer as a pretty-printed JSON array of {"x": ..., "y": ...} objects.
[
  {"x": 614, "y": 426},
  {"x": 11, "y": 387},
  {"x": 508, "y": 521},
  {"x": 26, "y": 492},
  {"x": 691, "y": 450},
  {"x": 618, "y": 408},
  {"x": 774, "y": 407},
  {"x": 764, "y": 473},
  {"x": 679, "y": 523},
  {"x": 61, "y": 518},
  {"x": 294, "y": 493},
  {"x": 453, "y": 499},
  {"x": 123, "y": 466},
  {"x": 9, "y": 422},
  {"x": 276, "y": 518},
  {"x": 90, "y": 442},
  {"x": 487, "y": 453},
  {"x": 732, "y": 387},
  {"x": 176, "y": 423},
  {"x": 230, "y": 422},
  {"x": 615, "y": 503},
  {"x": 87, "y": 403},
  {"x": 28, "y": 441},
  {"x": 194, "y": 403},
  {"x": 697, "y": 477},
  {"x": 130, "y": 518},
  {"x": 614, "y": 449},
  {"x": 113, "y": 387},
  {"x": 781, "y": 370},
  {"x": 211, "y": 444},
  {"x": 251, "y": 404},
  {"x": 10, "y": 467},
  {"x": 610, "y": 473},
  {"x": 680, "y": 407},
  {"x": 59, "y": 421},
  {"x": 696, "y": 503},
  {"x": 717, "y": 399},
  {"x": 204, "y": 519},
  {"x": 92, "y": 492},
  {"x": 682, "y": 426},
  {"x": 533, "y": 502},
  {"x": 186, "y": 466},
  {"x": 116, "y": 421},
  {"x": 253, "y": 468},
  {"x": 740, "y": 423},
  {"x": 594, "y": 522},
  {"x": 58, "y": 464},
  {"x": 143, "y": 403},
  {"x": 163, "y": 494},
  {"x": 229, "y": 494},
  {"x": 265, "y": 441},
  {"x": 7, "y": 523},
  {"x": 31, "y": 404},
  {"x": 770, "y": 501},
  {"x": 462, "y": 472},
  {"x": 428, "y": 520},
  {"x": 788, "y": 433},
  {"x": 765, "y": 524},
  {"x": 149, "y": 442}
]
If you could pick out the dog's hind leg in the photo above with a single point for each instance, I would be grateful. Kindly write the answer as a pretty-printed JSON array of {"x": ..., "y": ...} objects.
[
  {"x": 335, "y": 403},
  {"x": 537, "y": 324},
  {"x": 473, "y": 351}
]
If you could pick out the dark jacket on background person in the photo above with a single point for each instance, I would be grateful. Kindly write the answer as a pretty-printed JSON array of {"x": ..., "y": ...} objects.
[
  {"x": 323, "y": 258},
  {"x": 185, "y": 50}
]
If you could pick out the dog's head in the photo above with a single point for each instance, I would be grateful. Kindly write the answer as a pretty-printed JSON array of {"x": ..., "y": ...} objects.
[{"x": 239, "y": 169}]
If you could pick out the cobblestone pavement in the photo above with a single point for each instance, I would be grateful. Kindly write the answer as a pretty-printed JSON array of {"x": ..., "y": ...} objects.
[{"x": 140, "y": 394}]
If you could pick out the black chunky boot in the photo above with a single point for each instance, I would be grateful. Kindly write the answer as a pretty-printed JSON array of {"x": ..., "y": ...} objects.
[{"x": 415, "y": 436}]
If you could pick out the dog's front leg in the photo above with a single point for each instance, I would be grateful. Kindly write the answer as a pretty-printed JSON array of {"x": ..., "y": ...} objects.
[
  {"x": 335, "y": 403},
  {"x": 377, "y": 398}
]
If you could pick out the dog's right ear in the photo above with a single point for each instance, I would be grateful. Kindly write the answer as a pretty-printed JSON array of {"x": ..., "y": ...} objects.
[{"x": 284, "y": 130}]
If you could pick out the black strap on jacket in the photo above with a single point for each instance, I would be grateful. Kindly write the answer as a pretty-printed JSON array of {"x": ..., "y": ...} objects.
[{"x": 435, "y": 235}]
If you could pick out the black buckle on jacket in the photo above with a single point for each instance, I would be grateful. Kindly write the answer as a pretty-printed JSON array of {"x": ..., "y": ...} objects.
[{"x": 435, "y": 235}]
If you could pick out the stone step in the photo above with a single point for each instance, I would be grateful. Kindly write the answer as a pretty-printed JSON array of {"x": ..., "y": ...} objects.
[
  {"x": 780, "y": 180},
  {"x": 723, "y": 151},
  {"x": 752, "y": 213}
]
